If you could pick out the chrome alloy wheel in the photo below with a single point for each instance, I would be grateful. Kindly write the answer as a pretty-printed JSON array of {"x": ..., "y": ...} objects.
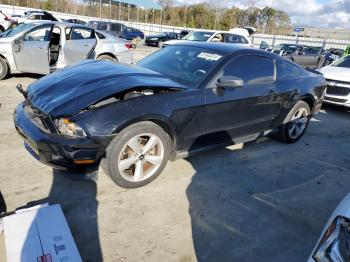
[
  {"x": 298, "y": 123},
  {"x": 141, "y": 157}
]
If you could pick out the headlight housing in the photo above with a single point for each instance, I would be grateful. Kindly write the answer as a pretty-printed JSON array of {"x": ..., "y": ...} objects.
[
  {"x": 335, "y": 243},
  {"x": 69, "y": 128}
]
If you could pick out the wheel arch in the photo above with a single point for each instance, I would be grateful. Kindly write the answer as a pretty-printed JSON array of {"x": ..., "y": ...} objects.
[
  {"x": 7, "y": 63},
  {"x": 159, "y": 120},
  {"x": 109, "y": 54},
  {"x": 309, "y": 99}
]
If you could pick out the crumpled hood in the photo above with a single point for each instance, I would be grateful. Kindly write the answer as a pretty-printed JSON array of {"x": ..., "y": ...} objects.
[
  {"x": 67, "y": 92},
  {"x": 336, "y": 73}
]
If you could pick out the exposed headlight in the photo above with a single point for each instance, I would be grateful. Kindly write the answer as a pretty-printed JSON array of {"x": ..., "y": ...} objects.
[
  {"x": 335, "y": 243},
  {"x": 69, "y": 128}
]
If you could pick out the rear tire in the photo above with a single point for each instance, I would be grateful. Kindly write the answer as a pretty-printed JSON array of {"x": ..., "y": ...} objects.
[
  {"x": 137, "y": 155},
  {"x": 107, "y": 58},
  {"x": 3, "y": 68},
  {"x": 296, "y": 123}
]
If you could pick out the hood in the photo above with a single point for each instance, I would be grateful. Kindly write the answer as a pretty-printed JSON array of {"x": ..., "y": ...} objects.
[
  {"x": 67, "y": 92},
  {"x": 336, "y": 73}
]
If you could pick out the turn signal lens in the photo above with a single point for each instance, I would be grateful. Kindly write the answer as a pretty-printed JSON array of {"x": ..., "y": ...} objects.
[{"x": 83, "y": 161}]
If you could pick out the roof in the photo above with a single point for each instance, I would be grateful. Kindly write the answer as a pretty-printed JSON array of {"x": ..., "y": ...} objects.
[
  {"x": 220, "y": 47},
  {"x": 226, "y": 48},
  {"x": 149, "y": 4}
]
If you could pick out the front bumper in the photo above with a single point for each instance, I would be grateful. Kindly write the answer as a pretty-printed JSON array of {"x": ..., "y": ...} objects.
[
  {"x": 338, "y": 93},
  {"x": 57, "y": 150},
  {"x": 337, "y": 100},
  {"x": 151, "y": 42}
]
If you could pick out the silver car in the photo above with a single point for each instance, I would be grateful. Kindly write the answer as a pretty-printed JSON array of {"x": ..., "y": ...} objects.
[{"x": 43, "y": 47}]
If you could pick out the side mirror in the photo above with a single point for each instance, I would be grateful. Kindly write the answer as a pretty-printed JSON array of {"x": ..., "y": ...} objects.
[
  {"x": 19, "y": 40},
  {"x": 229, "y": 82}
]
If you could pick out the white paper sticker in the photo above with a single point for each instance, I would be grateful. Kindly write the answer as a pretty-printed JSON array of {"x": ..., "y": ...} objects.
[{"x": 208, "y": 56}]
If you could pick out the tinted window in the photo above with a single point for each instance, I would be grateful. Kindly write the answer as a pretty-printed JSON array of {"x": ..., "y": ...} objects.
[
  {"x": 185, "y": 64},
  {"x": 313, "y": 50},
  {"x": 102, "y": 26},
  {"x": 237, "y": 39},
  {"x": 286, "y": 70},
  {"x": 251, "y": 69}
]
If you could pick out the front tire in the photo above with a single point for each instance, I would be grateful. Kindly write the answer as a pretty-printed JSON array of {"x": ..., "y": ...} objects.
[
  {"x": 3, "y": 69},
  {"x": 296, "y": 123},
  {"x": 137, "y": 155}
]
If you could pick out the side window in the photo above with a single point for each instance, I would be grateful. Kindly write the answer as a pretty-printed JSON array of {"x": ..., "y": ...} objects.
[
  {"x": 287, "y": 70},
  {"x": 42, "y": 34},
  {"x": 237, "y": 39},
  {"x": 251, "y": 69},
  {"x": 80, "y": 34}
]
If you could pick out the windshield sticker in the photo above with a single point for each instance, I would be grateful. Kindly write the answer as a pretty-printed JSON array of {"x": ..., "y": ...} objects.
[{"x": 208, "y": 56}]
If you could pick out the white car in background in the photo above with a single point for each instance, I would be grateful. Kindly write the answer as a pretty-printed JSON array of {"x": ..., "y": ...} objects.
[
  {"x": 31, "y": 16},
  {"x": 238, "y": 36},
  {"x": 337, "y": 75},
  {"x": 334, "y": 242},
  {"x": 6, "y": 22},
  {"x": 44, "y": 47}
]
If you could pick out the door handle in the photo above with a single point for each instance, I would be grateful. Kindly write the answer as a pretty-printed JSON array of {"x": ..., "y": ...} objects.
[{"x": 271, "y": 92}]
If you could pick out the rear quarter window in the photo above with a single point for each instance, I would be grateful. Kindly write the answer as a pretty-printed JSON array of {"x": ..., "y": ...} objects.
[{"x": 287, "y": 70}]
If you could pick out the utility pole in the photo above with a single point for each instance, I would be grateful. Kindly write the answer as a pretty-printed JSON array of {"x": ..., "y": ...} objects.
[
  {"x": 100, "y": 9},
  {"x": 110, "y": 10},
  {"x": 120, "y": 10}
]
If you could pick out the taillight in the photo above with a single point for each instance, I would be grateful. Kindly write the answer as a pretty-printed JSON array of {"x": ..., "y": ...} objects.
[{"x": 128, "y": 45}]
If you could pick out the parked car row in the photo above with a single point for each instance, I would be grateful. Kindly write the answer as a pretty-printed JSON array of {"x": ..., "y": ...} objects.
[
  {"x": 115, "y": 29},
  {"x": 43, "y": 47}
]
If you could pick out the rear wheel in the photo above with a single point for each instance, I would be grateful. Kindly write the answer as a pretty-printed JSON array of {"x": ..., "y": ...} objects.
[
  {"x": 107, "y": 58},
  {"x": 295, "y": 124},
  {"x": 3, "y": 68},
  {"x": 137, "y": 155}
]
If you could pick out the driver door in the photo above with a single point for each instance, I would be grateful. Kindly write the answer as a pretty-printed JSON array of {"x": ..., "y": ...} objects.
[
  {"x": 80, "y": 42},
  {"x": 31, "y": 52}
]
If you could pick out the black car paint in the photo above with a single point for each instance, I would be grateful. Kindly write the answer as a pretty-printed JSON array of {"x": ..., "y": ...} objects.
[
  {"x": 191, "y": 116},
  {"x": 156, "y": 39}
]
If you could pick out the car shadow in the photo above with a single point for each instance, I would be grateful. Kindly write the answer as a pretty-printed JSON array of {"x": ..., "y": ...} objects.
[
  {"x": 77, "y": 197},
  {"x": 260, "y": 201}
]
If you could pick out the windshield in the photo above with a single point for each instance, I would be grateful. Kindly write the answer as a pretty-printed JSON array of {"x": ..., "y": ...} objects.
[
  {"x": 185, "y": 64},
  {"x": 16, "y": 30},
  {"x": 198, "y": 36},
  {"x": 343, "y": 62}
]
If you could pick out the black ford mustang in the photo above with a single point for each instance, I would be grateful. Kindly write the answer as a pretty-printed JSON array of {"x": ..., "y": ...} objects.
[{"x": 179, "y": 100}]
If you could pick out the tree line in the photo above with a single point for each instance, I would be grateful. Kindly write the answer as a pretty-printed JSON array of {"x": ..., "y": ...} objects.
[{"x": 206, "y": 16}]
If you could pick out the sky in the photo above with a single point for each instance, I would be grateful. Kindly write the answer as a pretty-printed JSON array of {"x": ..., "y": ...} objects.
[{"x": 316, "y": 13}]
